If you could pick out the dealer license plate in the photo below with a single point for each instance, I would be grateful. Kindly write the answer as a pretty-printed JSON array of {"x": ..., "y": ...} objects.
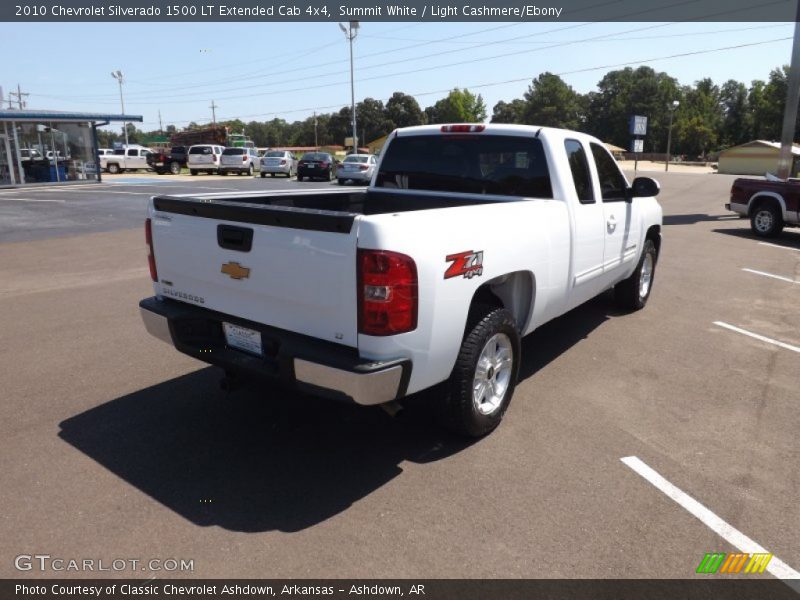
[{"x": 243, "y": 338}]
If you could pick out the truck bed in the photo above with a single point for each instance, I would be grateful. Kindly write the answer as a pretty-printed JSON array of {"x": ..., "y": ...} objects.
[{"x": 332, "y": 211}]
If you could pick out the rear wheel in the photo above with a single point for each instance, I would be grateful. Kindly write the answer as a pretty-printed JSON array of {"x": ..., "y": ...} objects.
[
  {"x": 263, "y": 175},
  {"x": 113, "y": 168},
  {"x": 633, "y": 292},
  {"x": 250, "y": 171},
  {"x": 341, "y": 182},
  {"x": 485, "y": 374},
  {"x": 272, "y": 174},
  {"x": 193, "y": 171},
  {"x": 766, "y": 220},
  {"x": 299, "y": 177},
  {"x": 175, "y": 168}
]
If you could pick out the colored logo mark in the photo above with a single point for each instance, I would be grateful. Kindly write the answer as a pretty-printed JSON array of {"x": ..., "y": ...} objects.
[{"x": 737, "y": 562}]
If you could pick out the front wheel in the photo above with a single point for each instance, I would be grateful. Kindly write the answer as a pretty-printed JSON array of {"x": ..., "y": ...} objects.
[
  {"x": 767, "y": 220},
  {"x": 485, "y": 374},
  {"x": 175, "y": 168},
  {"x": 633, "y": 292},
  {"x": 113, "y": 168}
]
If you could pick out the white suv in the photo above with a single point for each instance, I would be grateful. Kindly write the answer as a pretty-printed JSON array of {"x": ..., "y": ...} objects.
[
  {"x": 204, "y": 157},
  {"x": 239, "y": 160}
]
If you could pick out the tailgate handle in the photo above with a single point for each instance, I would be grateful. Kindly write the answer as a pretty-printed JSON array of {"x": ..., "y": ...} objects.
[{"x": 231, "y": 237}]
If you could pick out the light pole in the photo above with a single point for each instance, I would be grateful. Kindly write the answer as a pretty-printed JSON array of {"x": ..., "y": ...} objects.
[
  {"x": 350, "y": 33},
  {"x": 120, "y": 78},
  {"x": 675, "y": 104}
]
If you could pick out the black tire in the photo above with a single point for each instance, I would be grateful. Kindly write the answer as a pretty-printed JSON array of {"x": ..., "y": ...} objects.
[
  {"x": 766, "y": 219},
  {"x": 113, "y": 168},
  {"x": 250, "y": 170},
  {"x": 330, "y": 174},
  {"x": 193, "y": 171},
  {"x": 272, "y": 174},
  {"x": 460, "y": 411},
  {"x": 341, "y": 182},
  {"x": 263, "y": 175},
  {"x": 299, "y": 177},
  {"x": 632, "y": 293},
  {"x": 175, "y": 167}
]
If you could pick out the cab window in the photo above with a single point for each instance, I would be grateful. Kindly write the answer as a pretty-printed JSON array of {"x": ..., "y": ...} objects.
[
  {"x": 613, "y": 186},
  {"x": 579, "y": 166}
]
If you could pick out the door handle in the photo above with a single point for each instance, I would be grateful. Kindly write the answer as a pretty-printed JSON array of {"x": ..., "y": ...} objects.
[{"x": 611, "y": 223}]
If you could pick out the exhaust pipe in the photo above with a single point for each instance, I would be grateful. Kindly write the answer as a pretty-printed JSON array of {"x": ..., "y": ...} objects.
[{"x": 392, "y": 408}]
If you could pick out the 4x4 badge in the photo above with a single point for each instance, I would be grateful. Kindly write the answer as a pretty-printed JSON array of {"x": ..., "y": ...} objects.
[{"x": 468, "y": 264}]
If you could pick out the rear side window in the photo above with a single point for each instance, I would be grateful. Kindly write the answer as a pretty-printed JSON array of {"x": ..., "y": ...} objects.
[
  {"x": 579, "y": 166},
  {"x": 476, "y": 164},
  {"x": 200, "y": 150},
  {"x": 613, "y": 185}
]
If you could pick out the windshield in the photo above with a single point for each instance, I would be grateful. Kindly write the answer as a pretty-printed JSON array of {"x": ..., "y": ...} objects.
[
  {"x": 233, "y": 151},
  {"x": 200, "y": 150},
  {"x": 476, "y": 164},
  {"x": 274, "y": 154},
  {"x": 314, "y": 156}
]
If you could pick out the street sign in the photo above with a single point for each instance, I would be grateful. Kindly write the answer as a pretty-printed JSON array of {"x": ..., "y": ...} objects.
[
  {"x": 637, "y": 145},
  {"x": 638, "y": 125}
]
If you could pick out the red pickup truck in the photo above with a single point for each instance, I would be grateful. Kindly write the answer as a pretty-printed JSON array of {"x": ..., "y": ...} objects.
[{"x": 770, "y": 205}]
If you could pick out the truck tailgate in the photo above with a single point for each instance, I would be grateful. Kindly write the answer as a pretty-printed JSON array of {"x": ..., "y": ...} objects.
[{"x": 289, "y": 268}]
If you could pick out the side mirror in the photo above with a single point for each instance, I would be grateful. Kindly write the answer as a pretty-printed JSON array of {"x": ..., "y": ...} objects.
[{"x": 644, "y": 187}]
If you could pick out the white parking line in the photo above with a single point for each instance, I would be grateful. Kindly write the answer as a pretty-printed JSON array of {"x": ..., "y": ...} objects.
[
  {"x": 779, "y": 246},
  {"x": 726, "y": 531},
  {"x": 58, "y": 200},
  {"x": 757, "y": 336},
  {"x": 764, "y": 274}
]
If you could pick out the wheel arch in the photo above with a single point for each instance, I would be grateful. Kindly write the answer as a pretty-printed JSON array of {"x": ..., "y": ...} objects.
[
  {"x": 760, "y": 198},
  {"x": 514, "y": 291}
]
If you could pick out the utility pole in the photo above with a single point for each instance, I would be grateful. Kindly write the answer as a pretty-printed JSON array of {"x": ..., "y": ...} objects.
[
  {"x": 20, "y": 95},
  {"x": 160, "y": 124},
  {"x": 350, "y": 33},
  {"x": 121, "y": 78},
  {"x": 785, "y": 159},
  {"x": 214, "y": 108},
  {"x": 675, "y": 104}
]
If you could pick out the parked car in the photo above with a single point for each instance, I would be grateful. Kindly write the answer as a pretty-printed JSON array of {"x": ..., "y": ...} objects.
[
  {"x": 771, "y": 205},
  {"x": 468, "y": 238},
  {"x": 278, "y": 161},
  {"x": 317, "y": 165},
  {"x": 26, "y": 154},
  {"x": 239, "y": 160},
  {"x": 204, "y": 157},
  {"x": 168, "y": 162},
  {"x": 357, "y": 168},
  {"x": 131, "y": 157}
]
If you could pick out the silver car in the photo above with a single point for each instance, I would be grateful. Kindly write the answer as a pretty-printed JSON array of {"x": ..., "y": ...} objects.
[
  {"x": 278, "y": 161},
  {"x": 357, "y": 168},
  {"x": 239, "y": 160}
]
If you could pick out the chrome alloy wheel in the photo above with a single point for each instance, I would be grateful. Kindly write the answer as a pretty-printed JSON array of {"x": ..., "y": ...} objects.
[
  {"x": 493, "y": 374},
  {"x": 763, "y": 221},
  {"x": 646, "y": 276}
]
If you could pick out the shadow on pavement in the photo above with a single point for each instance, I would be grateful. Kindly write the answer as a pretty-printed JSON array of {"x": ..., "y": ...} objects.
[
  {"x": 789, "y": 238},
  {"x": 265, "y": 458},
  {"x": 691, "y": 219}
]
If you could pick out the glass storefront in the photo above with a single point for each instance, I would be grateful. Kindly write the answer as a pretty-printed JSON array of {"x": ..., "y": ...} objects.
[{"x": 55, "y": 151}]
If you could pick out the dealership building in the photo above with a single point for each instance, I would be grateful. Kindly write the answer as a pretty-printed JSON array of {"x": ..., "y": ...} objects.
[{"x": 49, "y": 147}]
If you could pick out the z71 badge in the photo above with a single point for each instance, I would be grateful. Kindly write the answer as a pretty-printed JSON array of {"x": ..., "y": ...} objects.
[{"x": 467, "y": 264}]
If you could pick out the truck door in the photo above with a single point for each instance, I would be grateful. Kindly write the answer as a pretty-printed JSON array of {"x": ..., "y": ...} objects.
[
  {"x": 589, "y": 237},
  {"x": 622, "y": 230}
]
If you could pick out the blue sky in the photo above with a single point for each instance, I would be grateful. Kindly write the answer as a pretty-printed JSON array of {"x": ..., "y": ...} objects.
[{"x": 259, "y": 71}]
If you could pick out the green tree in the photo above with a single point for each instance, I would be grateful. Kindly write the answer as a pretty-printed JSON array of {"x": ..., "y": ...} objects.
[
  {"x": 459, "y": 106},
  {"x": 403, "y": 110},
  {"x": 508, "y": 112},
  {"x": 737, "y": 120},
  {"x": 550, "y": 102}
]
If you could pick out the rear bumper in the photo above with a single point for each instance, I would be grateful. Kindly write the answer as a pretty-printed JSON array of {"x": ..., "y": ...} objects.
[
  {"x": 355, "y": 175},
  {"x": 316, "y": 366},
  {"x": 737, "y": 208},
  {"x": 283, "y": 170}
]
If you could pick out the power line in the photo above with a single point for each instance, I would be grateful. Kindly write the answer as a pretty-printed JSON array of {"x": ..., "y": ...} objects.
[{"x": 528, "y": 78}]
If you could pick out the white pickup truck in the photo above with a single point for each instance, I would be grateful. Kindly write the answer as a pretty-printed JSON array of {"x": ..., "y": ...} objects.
[
  {"x": 468, "y": 238},
  {"x": 127, "y": 158}
]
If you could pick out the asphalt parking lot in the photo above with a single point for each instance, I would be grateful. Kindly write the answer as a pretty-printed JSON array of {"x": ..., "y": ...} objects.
[{"x": 113, "y": 445}]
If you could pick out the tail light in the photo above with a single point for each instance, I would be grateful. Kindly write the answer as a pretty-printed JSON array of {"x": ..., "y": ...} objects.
[
  {"x": 387, "y": 293},
  {"x": 151, "y": 256},
  {"x": 363, "y": 167},
  {"x": 244, "y": 157},
  {"x": 283, "y": 162},
  {"x": 324, "y": 165}
]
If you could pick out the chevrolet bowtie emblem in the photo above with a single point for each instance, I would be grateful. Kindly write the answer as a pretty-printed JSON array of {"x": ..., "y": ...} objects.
[{"x": 235, "y": 270}]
